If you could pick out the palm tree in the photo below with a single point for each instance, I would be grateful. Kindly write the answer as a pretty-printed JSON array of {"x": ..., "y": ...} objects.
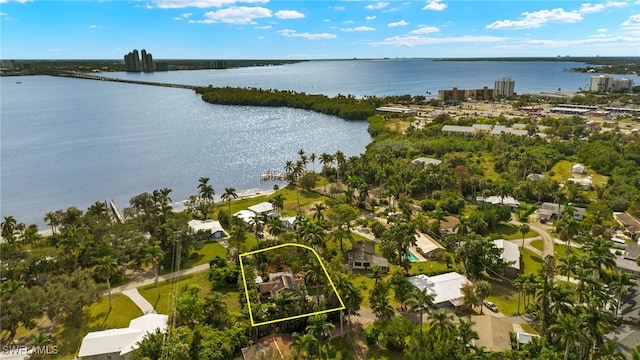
[
  {"x": 340, "y": 160},
  {"x": 569, "y": 228},
  {"x": 441, "y": 321},
  {"x": 313, "y": 158},
  {"x": 381, "y": 304},
  {"x": 206, "y": 195},
  {"x": 52, "y": 219},
  {"x": 569, "y": 264},
  {"x": 317, "y": 209},
  {"x": 466, "y": 334},
  {"x": 106, "y": 268},
  {"x": 320, "y": 328},
  {"x": 278, "y": 202},
  {"x": 376, "y": 274},
  {"x": 608, "y": 351},
  {"x": 31, "y": 235},
  {"x": 424, "y": 302},
  {"x": 216, "y": 309},
  {"x": 600, "y": 255},
  {"x": 313, "y": 234},
  {"x": 326, "y": 160},
  {"x": 568, "y": 330},
  {"x": 9, "y": 229},
  {"x": 275, "y": 227},
  {"x": 303, "y": 345},
  {"x": 315, "y": 274},
  {"x": 619, "y": 284},
  {"x": 523, "y": 229},
  {"x": 483, "y": 288},
  {"x": 229, "y": 194},
  {"x": 154, "y": 255}
]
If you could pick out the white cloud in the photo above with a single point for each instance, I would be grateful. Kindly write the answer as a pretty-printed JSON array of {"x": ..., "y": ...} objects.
[
  {"x": 435, "y": 5},
  {"x": 3, "y": 14},
  {"x": 359, "y": 28},
  {"x": 266, "y": 27},
  {"x": 289, "y": 14},
  {"x": 422, "y": 29},
  {"x": 240, "y": 15},
  {"x": 632, "y": 22},
  {"x": 587, "y": 8},
  {"x": 338, "y": 8},
  {"x": 326, "y": 20},
  {"x": 603, "y": 30},
  {"x": 93, "y": 26},
  {"x": 306, "y": 35},
  {"x": 20, "y": 1},
  {"x": 377, "y": 6},
  {"x": 537, "y": 19},
  {"x": 178, "y": 4},
  {"x": 411, "y": 41},
  {"x": 370, "y": 18},
  {"x": 348, "y": 22},
  {"x": 183, "y": 16},
  {"x": 399, "y": 23}
]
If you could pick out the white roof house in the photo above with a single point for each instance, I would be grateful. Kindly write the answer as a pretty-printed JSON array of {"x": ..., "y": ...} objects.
[
  {"x": 584, "y": 182},
  {"x": 426, "y": 161},
  {"x": 510, "y": 252},
  {"x": 577, "y": 169},
  {"x": 200, "y": 225},
  {"x": 446, "y": 287},
  {"x": 246, "y": 216},
  {"x": 263, "y": 208},
  {"x": 119, "y": 342}
]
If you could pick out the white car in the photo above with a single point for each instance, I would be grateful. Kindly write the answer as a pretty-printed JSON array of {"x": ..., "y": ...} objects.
[{"x": 491, "y": 306}]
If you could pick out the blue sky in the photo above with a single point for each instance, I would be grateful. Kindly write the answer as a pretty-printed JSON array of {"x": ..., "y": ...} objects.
[{"x": 263, "y": 29}]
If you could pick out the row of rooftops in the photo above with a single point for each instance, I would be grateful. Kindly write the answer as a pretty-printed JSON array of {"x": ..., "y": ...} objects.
[{"x": 487, "y": 128}]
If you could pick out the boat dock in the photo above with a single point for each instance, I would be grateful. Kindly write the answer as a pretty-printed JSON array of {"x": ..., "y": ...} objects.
[{"x": 273, "y": 176}]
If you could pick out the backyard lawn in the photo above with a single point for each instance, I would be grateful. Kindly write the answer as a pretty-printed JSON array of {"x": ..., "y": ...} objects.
[
  {"x": 163, "y": 304},
  {"x": 511, "y": 232}
]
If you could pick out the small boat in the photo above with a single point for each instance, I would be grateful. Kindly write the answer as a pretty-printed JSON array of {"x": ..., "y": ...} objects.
[{"x": 18, "y": 82}]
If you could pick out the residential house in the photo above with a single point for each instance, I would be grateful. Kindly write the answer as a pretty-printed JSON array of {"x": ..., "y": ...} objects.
[
  {"x": 632, "y": 252},
  {"x": 631, "y": 224},
  {"x": 265, "y": 209},
  {"x": 426, "y": 161},
  {"x": 210, "y": 228},
  {"x": 494, "y": 334},
  {"x": 586, "y": 183},
  {"x": 117, "y": 344},
  {"x": 510, "y": 254},
  {"x": 289, "y": 222},
  {"x": 535, "y": 177},
  {"x": 447, "y": 288},
  {"x": 551, "y": 211},
  {"x": 246, "y": 215},
  {"x": 270, "y": 347},
  {"x": 279, "y": 282},
  {"x": 524, "y": 337},
  {"x": 627, "y": 337},
  {"x": 506, "y": 201},
  {"x": 363, "y": 256},
  {"x": 577, "y": 169}
]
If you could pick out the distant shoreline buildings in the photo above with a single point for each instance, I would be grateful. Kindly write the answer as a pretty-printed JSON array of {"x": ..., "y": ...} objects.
[
  {"x": 134, "y": 63},
  {"x": 502, "y": 88},
  {"x": 607, "y": 83}
]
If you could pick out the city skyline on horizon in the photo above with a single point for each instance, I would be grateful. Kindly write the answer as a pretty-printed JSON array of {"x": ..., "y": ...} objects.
[{"x": 316, "y": 30}]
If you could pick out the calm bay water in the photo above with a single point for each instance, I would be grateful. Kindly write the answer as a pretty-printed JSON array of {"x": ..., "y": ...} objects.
[{"x": 70, "y": 142}]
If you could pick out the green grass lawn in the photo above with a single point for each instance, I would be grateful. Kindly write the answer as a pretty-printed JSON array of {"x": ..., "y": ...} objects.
[
  {"x": 510, "y": 232},
  {"x": 97, "y": 317},
  {"x": 505, "y": 297},
  {"x": 531, "y": 262},
  {"x": 559, "y": 250},
  {"x": 163, "y": 304},
  {"x": 207, "y": 253},
  {"x": 353, "y": 346},
  {"x": 431, "y": 267}
]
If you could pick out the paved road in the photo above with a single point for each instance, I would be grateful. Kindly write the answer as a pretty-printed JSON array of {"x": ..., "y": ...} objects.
[
  {"x": 147, "y": 278},
  {"x": 547, "y": 239}
]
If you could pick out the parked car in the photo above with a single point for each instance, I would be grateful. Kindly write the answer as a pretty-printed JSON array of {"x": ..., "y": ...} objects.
[
  {"x": 543, "y": 221},
  {"x": 491, "y": 306}
]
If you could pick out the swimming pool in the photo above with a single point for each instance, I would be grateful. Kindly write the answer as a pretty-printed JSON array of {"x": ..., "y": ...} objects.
[{"x": 411, "y": 257}]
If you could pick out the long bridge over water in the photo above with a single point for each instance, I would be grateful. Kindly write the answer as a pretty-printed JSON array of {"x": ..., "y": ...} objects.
[{"x": 81, "y": 75}]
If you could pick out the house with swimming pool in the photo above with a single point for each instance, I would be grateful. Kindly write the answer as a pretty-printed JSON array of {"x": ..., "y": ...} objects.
[{"x": 363, "y": 256}]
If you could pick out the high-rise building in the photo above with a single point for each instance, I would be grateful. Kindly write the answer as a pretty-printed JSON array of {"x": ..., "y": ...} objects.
[
  {"x": 601, "y": 83},
  {"x": 505, "y": 87},
  {"x": 132, "y": 61}
]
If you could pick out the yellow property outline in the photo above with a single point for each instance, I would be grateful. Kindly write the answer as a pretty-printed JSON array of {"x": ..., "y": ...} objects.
[{"x": 246, "y": 290}]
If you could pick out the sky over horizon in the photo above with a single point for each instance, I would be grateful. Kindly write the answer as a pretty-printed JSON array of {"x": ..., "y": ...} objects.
[{"x": 264, "y": 29}]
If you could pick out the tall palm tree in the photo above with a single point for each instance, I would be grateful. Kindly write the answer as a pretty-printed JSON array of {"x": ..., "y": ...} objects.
[
  {"x": 381, "y": 304},
  {"x": 424, "y": 301},
  {"x": 569, "y": 264},
  {"x": 303, "y": 345},
  {"x": 523, "y": 229},
  {"x": 313, "y": 234},
  {"x": 216, "y": 308},
  {"x": 275, "y": 227},
  {"x": 52, "y": 219},
  {"x": 9, "y": 229},
  {"x": 320, "y": 328},
  {"x": 278, "y": 202},
  {"x": 229, "y": 194},
  {"x": 314, "y": 273},
  {"x": 317, "y": 209},
  {"x": 31, "y": 235},
  {"x": 376, "y": 274},
  {"x": 313, "y": 158},
  {"x": 441, "y": 321},
  {"x": 340, "y": 160},
  {"x": 466, "y": 334},
  {"x": 326, "y": 160},
  {"x": 600, "y": 255},
  {"x": 154, "y": 256},
  {"x": 206, "y": 195},
  {"x": 619, "y": 285},
  {"x": 237, "y": 238},
  {"x": 106, "y": 268},
  {"x": 569, "y": 331}
]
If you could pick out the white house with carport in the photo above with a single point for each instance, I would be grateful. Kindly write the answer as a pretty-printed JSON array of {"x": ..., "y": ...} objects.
[
  {"x": 426, "y": 161},
  {"x": 117, "y": 344},
  {"x": 447, "y": 288},
  {"x": 510, "y": 254},
  {"x": 212, "y": 227}
]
